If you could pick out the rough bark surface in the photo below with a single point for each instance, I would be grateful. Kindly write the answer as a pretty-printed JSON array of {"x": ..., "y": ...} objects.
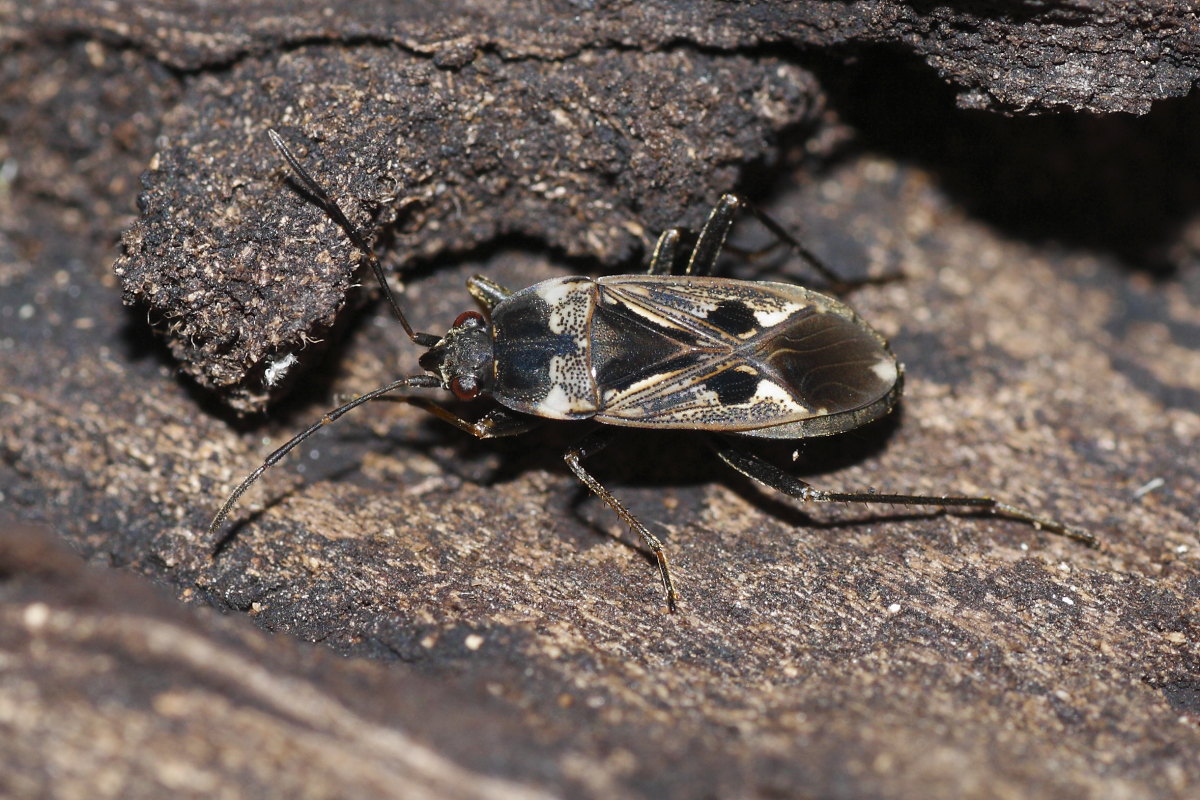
[
  {"x": 465, "y": 115},
  {"x": 408, "y": 612},
  {"x": 1098, "y": 55}
]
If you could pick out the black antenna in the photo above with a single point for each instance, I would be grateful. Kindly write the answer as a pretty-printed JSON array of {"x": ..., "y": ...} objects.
[
  {"x": 422, "y": 339},
  {"x": 418, "y": 381},
  {"x": 332, "y": 208}
]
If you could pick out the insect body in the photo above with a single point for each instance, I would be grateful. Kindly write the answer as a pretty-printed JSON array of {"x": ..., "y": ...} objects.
[
  {"x": 685, "y": 351},
  {"x": 658, "y": 351}
]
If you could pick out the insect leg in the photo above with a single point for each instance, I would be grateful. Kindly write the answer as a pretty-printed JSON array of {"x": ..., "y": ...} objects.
[
  {"x": 703, "y": 260},
  {"x": 486, "y": 291},
  {"x": 712, "y": 238},
  {"x": 769, "y": 475},
  {"x": 592, "y": 444},
  {"x": 495, "y": 424},
  {"x": 791, "y": 241},
  {"x": 662, "y": 262}
]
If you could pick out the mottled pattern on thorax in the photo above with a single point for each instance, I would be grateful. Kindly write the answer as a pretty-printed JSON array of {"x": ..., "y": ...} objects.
[{"x": 542, "y": 347}]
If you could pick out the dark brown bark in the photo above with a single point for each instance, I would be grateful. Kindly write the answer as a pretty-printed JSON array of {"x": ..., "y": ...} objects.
[{"x": 500, "y": 633}]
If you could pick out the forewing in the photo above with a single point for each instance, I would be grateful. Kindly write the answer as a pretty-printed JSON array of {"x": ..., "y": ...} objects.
[
  {"x": 759, "y": 355},
  {"x": 717, "y": 312}
]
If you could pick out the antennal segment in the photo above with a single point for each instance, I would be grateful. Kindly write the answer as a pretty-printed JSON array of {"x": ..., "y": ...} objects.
[
  {"x": 317, "y": 191},
  {"x": 417, "y": 381}
]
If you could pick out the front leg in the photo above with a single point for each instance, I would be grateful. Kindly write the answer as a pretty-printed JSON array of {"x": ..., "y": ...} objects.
[
  {"x": 486, "y": 291},
  {"x": 496, "y": 424},
  {"x": 594, "y": 443}
]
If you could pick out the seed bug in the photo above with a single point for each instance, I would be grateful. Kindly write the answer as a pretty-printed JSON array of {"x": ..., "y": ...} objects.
[{"x": 667, "y": 350}]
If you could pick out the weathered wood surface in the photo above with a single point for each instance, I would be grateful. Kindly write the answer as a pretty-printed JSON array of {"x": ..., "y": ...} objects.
[{"x": 501, "y": 634}]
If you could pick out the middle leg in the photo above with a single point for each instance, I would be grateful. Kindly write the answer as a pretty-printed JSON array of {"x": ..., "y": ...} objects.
[
  {"x": 703, "y": 260},
  {"x": 591, "y": 444}
]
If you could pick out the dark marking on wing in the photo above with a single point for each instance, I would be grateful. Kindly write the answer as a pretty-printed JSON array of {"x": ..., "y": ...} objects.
[
  {"x": 733, "y": 386},
  {"x": 714, "y": 313},
  {"x": 627, "y": 347},
  {"x": 734, "y": 317}
]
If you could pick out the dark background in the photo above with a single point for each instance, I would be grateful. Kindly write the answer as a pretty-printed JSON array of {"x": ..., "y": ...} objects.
[{"x": 401, "y": 610}]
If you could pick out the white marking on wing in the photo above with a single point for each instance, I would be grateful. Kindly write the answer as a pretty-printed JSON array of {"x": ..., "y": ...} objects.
[
  {"x": 885, "y": 369},
  {"x": 771, "y": 392},
  {"x": 766, "y": 318}
]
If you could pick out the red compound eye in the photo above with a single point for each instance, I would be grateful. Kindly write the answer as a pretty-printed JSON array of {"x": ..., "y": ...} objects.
[
  {"x": 466, "y": 315},
  {"x": 464, "y": 388}
]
